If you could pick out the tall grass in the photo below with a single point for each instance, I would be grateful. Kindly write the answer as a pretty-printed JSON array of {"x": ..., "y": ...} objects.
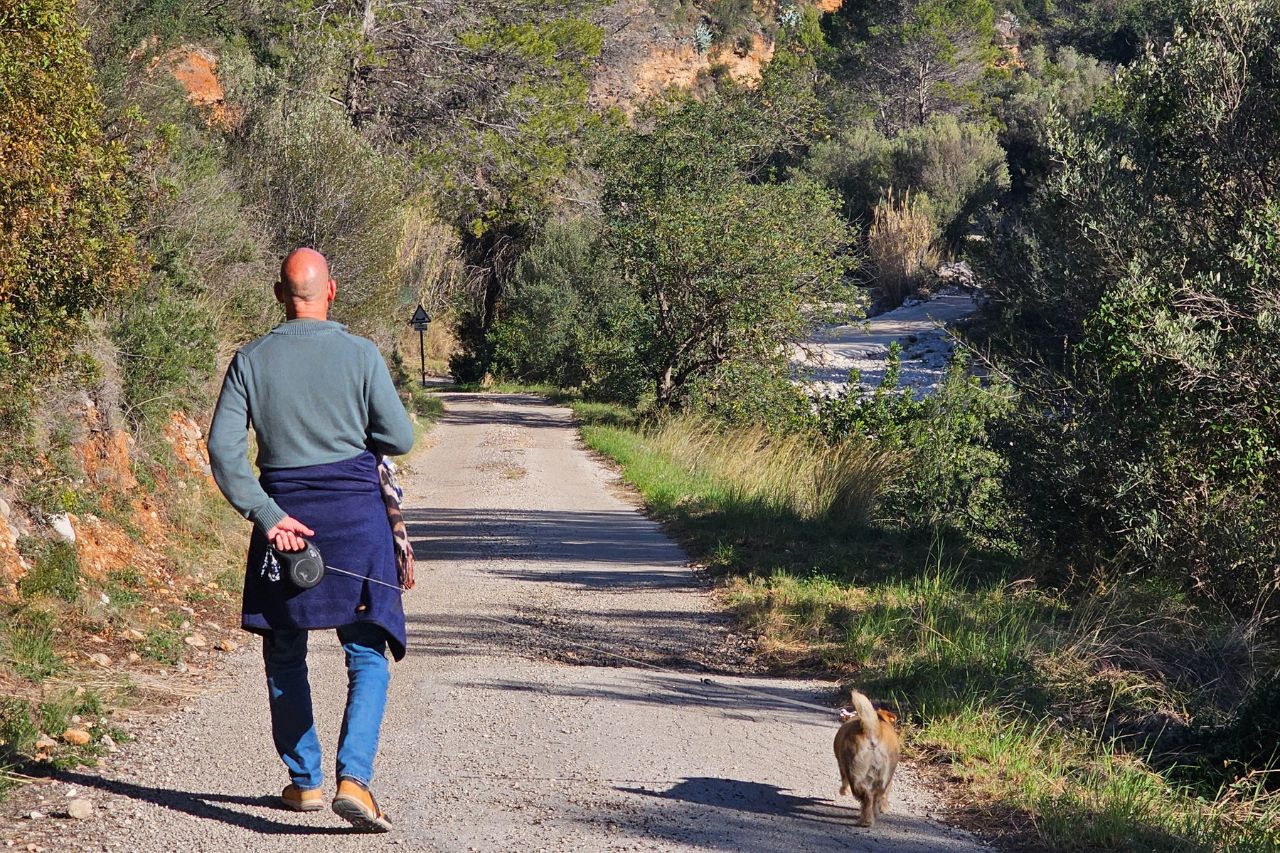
[
  {"x": 1031, "y": 700},
  {"x": 902, "y": 243},
  {"x": 792, "y": 473}
]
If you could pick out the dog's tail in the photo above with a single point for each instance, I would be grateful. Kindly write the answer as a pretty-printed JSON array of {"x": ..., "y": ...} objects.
[{"x": 867, "y": 714}]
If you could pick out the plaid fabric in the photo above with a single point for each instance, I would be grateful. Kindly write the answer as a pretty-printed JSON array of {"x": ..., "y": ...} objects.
[{"x": 393, "y": 496}]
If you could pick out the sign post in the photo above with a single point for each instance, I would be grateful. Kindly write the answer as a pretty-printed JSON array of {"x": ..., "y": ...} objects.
[{"x": 420, "y": 320}]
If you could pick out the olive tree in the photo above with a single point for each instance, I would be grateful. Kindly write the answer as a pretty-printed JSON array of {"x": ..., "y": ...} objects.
[{"x": 730, "y": 263}]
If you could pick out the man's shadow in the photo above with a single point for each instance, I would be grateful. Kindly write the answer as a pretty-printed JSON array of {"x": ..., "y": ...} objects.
[{"x": 199, "y": 805}]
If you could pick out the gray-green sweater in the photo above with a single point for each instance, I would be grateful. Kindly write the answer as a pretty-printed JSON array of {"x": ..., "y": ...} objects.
[{"x": 314, "y": 393}]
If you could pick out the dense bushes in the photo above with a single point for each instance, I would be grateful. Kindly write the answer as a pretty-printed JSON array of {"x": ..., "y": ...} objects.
[
  {"x": 678, "y": 287},
  {"x": 959, "y": 167},
  {"x": 322, "y": 184},
  {"x": 567, "y": 320},
  {"x": 952, "y": 469},
  {"x": 64, "y": 249},
  {"x": 1143, "y": 284},
  {"x": 168, "y": 350}
]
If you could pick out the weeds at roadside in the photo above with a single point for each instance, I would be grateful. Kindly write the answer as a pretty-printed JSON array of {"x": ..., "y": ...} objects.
[
  {"x": 1042, "y": 708},
  {"x": 163, "y": 643},
  {"x": 125, "y": 588},
  {"x": 55, "y": 570},
  {"x": 27, "y": 644}
]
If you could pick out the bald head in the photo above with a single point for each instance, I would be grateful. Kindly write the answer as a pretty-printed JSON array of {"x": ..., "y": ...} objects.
[{"x": 305, "y": 287}]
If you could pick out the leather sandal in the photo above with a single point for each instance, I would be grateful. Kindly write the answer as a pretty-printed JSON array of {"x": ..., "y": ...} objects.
[
  {"x": 298, "y": 800},
  {"x": 354, "y": 804}
]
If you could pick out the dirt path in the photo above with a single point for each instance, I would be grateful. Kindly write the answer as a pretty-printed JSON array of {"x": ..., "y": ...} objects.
[{"x": 498, "y": 738}]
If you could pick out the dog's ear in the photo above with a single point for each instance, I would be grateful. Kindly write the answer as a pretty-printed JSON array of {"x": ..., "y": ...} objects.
[{"x": 887, "y": 716}]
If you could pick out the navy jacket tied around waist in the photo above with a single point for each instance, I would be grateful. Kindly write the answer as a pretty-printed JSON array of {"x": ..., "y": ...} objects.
[{"x": 342, "y": 503}]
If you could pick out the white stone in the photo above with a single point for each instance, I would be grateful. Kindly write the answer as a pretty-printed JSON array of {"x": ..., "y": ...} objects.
[
  {"x": 80, "y": 809},
  {"x": 61, "y": 525}
]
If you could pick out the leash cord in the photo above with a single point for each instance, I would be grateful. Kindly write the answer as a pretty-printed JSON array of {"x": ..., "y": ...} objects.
[
  {"x": 704, "y": 680},
  {"x": 396, "y": 587}
]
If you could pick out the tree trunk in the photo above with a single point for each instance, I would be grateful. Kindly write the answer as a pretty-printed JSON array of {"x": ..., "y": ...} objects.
[
  {"x": 351, "y": 93},
  {"x": 666, "y": 388},
  {"x": 922, "y": 93}
]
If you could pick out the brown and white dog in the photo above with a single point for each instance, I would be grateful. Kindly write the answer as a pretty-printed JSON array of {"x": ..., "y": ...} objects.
[{"x": 867, "y": 752}]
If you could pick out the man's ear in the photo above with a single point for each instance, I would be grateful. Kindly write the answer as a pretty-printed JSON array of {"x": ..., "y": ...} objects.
[
  {"x": 279, "y": 291},
  {"x": 333, "y": 290}
]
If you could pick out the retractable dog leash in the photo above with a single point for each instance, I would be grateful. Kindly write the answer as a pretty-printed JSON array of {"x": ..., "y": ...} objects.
[{"x": 306, "y": 568}]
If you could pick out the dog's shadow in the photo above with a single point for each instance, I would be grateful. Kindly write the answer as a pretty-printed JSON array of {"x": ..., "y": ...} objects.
[{"x": 752, "y": 797}]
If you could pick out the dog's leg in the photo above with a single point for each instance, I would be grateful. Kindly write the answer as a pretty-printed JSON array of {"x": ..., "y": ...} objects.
[
  {"x": 867, "y": 802},
  {"x": 882, "y": 801}
]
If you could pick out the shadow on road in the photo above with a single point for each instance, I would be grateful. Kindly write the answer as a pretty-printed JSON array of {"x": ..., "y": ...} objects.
[
  {"x": 732, "y": 814},
  {"x": 753, "y": 797},
  {"x": 201, "y": 805},
  {"x": 515, "y": 412},
  {"x": 660, "y": 689},
  {"x": 545, "y": 537}
]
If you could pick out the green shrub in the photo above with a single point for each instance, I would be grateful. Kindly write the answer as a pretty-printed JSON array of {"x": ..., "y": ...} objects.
[
  {"x": 1136, "y": 297},
  {"x": 566, "y": 320},
  {"x": 742, "y": 394},
  {"x": 55, "y": 571},
  {"x": 538, "y": 337},
  {"x": 18, "y": 731},
  {"x": 953, "y": 471},
  {"x": 960, "y": 166},
  {"x": 686, "y": 205},
  {"x": 167, "y": 347},
  {"x": 27, "y": 644},
  {"x": 857, "y": 163},
  {"x": 55, "y": 714},
  {"x": 125, "y": 588},
  {"x": 1253, "y": 738},
  {"x": 65, "y": 249},
  {"x": 163, "y": 642}
]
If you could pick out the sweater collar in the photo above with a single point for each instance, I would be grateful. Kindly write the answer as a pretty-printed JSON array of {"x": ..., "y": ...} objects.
[{"x": 307, "y": 327}]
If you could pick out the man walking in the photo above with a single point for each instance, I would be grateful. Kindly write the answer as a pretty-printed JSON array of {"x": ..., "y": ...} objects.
[{"x": 322, "y": 404}]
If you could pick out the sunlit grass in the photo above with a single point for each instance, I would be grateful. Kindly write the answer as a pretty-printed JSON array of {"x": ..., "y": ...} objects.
[{"x": 1013, "y": 686}]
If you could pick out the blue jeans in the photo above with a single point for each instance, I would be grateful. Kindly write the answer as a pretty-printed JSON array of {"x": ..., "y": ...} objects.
[{"x": 293, "y": 728}]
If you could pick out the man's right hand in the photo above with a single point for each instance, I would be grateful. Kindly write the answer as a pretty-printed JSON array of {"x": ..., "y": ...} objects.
[{"x": 287, "y": 535}]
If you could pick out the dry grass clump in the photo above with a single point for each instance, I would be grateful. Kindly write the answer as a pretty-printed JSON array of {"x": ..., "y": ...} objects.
[
  {"x": 902, "y": 243},
  {"x": 792, "y": 473}
]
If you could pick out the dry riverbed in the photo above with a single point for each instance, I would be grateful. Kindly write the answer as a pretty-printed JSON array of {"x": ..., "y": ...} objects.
[{"x": 920, "y": 327}]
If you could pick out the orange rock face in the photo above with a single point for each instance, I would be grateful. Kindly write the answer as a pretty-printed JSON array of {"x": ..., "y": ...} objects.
[
  {"x": 12, "y": 566},
  {"x": 104, "y": 548},
  {"x": 187, "y": 440},
  {"x": 681, "y": 67},
  {"x": 196, "y": 69},
  {"x": 107, "y": 462}
]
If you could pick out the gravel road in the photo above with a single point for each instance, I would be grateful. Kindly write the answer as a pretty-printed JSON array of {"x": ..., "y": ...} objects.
[{"x": 506, "y": 735}]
